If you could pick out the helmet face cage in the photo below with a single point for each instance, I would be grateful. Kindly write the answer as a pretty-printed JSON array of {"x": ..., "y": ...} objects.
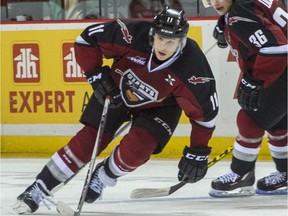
[{"x": 171, "y": 23}]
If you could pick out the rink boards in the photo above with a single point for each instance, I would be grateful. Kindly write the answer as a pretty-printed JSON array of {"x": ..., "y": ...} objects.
[{"x": 43, "y": 91}]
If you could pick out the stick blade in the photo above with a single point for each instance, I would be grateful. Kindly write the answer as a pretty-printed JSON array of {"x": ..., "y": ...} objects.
[
  {"x": 149, "y": 192},
  {"x": 64, "y": 209}
]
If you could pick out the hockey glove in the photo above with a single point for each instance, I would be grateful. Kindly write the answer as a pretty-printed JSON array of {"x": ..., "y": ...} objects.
[
  {"x": 104, "y": 85},
  {"x": 194, "y": 164},
  {"x": 218, "y": 33},
  {"x": 249, "y": 93}
]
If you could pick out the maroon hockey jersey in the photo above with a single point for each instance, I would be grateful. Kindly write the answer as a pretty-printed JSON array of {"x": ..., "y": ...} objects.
[
  {"x": 256, "y": 31},
  {"x": 186, "y": 78}
]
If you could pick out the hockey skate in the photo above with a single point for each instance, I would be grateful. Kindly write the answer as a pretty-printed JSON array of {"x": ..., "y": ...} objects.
[
  {"x": 233, "y": 185},
  {"x": 274, "y": 184},
  {"x": 98, "y": 182},
  {"x": 29, "y": 200}
]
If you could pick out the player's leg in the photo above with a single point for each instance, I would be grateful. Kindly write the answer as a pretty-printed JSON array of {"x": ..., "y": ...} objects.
[
  {"x": 276, "y": 182},
  {"x": 251, "y": 126},
  {"x": 273, "y": 105},
  {"x": 67, "y": 161},
  {"x": 239, "y": 182},
  {"x": 149, "y": 133},
  {"x": 272, "y": 116}
]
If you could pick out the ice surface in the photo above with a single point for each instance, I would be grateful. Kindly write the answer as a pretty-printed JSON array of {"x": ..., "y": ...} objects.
[{"x": 190, "y": 200}]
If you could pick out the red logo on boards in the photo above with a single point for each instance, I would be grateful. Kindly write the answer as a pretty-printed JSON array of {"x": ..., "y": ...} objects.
[
  {"x": 26, "y": 63},
  {"x": 71, "y": 70}
]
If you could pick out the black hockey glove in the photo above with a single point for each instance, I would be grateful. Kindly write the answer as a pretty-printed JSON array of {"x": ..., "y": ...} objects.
[
  {"x": 104, "y": 85},
  {"x": 218, "y": 33},
  {"x": 249, "y": 93},
  {"x": 194, "y": 164}
]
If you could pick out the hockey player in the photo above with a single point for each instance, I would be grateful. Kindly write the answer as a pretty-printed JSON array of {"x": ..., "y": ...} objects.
[
  {"x": 157, "y": 72},
  {"x": 256, "y": 31}
]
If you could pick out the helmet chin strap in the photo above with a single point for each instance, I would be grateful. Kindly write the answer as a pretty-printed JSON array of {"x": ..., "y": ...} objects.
[
  {"x": 182, "y": 43},
  {"x": 179, "y": 48},
  {"x": 151, "y": 41}
]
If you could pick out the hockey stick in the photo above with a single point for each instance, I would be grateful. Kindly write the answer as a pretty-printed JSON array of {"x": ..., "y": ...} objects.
[
  {"x": 62, "y": 207},
  {"x": 158, "y": 192},
  {"x": 207, "y": 51},
  {"x": 118, "y": 133}
]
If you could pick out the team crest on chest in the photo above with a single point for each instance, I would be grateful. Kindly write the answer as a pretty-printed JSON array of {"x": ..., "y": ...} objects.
[{"x": 135, "y": 92}]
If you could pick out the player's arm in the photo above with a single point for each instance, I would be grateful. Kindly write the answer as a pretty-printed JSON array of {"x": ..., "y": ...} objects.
[
  {"x": 200, "y": 104},
  {"x": 98, "y": 41},
  {"x": 268, "y": 40},
  {"x": 94, "y": 43},
  {"x": 266, "y": 35},
  {"x": 193, "y": 164}
]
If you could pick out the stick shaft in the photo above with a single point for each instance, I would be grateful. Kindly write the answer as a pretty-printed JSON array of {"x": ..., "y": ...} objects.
[
  {"x": 158, "y": 192},
  {"x": 220, "y": 156},
  {"x": 210, "y": 164},
  {"x": 93, "y": 156}
]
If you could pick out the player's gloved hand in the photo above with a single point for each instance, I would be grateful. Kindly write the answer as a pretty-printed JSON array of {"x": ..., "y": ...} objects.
[
  {"x": 249, "y": 93},
  {"x": 218, "y": 33},
  {"x": 104, "y": 85},
  {"x": 194, "y": 164}
]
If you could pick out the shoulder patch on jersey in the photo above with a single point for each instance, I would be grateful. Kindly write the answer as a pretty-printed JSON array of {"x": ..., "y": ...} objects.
[
  {"x": 126, "y": 35},
  {"x": 170, "y": 80},
  {"x": 137, "y": 59},
  {"x": 96, "y": 29},
  {"x": 235, "y": 19},
  {"x": 198, "y": 80}
]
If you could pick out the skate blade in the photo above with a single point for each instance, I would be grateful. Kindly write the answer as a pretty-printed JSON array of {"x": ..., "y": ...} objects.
[
  {"x": 239, "y": 192},
  {"x": 279, "y": 191},
  {"x": 21, "y": 208}
]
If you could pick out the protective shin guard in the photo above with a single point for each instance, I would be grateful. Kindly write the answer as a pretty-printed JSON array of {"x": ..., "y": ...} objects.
[
  {"x": 241, "y": 167},
  {"x": 278, "y": 148},
  {"x": 249, "y": 129},
  {"x": 82, "y": 144},
  {"x": 281, "y": 164},
  {"x": 134, "y": 150},
  {"x": 247, "y": 143},
  {"x": 46, "y": 176}
]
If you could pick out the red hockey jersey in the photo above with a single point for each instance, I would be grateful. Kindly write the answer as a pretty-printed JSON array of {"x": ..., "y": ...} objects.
[
  {"x": 256, "y": 31},
  {"x": 186, "y": 78}
]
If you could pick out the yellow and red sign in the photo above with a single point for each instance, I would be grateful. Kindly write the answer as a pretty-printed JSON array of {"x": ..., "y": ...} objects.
[
  {"x": 42, "y": 85},
  {"x": 41, "y": 80}
]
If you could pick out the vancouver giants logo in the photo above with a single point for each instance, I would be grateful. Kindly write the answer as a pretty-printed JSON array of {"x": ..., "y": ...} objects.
[
  {"x": 134, "y": 91},
  {"x": 26, "y": 66},
  {"x": 126, "y": 35},
  {"x": 196, "y": 80}
]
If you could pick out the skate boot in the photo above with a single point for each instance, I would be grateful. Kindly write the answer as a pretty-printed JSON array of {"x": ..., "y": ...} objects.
[
  {"x": 29, "y": 200},
  {"x": 98, "y": 182},
  {"x": 233, "y": 185},
  {"x": 274, "y": 184}
]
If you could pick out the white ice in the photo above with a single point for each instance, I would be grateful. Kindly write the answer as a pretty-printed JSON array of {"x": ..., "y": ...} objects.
[{"x": 190, "y": 200}]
